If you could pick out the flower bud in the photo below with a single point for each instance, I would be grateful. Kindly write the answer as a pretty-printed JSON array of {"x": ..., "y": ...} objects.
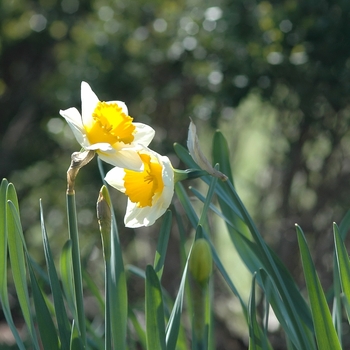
[{"x": 201, "y": 261}]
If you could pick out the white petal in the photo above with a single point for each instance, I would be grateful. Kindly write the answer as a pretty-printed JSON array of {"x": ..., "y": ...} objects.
[
  {"x": 137, "y": 217},
  {"x": 73, "y": 119},
  {"x": 89, "y": 102},
  {"x": 115, "y": 178},
  {"x": 144, "y": 134},
  {"x": 124, "y": 158},
  {"x": 122, "y": 105},
  {"x": 101, "y": 146}
]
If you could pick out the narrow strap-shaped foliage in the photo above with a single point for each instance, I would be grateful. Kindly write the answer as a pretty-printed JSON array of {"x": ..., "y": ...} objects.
[
  {"x": 48, "y": 334},
  {"x": 337, "y": 311},
  {"x": 326, "y": 335},
  {"x": 343, "y": 262},
  {"x": 257, "y": 341},
  {"x": 67, "y": 277},
  {"x": 94, "y": 290},
  {"x": 268, "y": 259},
  {"x": 16, "y": 247},
  {"x": 183, "y": 154},
  {"x": 75, "y": 340},
  {"x": 162, "y": 244},
  {"x": 291, "y": 295},
  {"x": 274, "y": 299},
  {"x": 230, "y": 203},
  {"x": 186, "y": 203},
  {"x": 138, "y": 329},
  {"x": 216, "y": 210},
  {"x": 117, "y": 289},
  {"x": 76, "y": 264},
  {"x": 60, "y": 310},
  {"x": 173, "y": 325},
  {"x": 221, "y": 154},
  {"x": 204, "y": 212},
  {"x": 155, "y": 326},
  {"x": 345, "y": 225},
  {"x": 3, "y": 264}
]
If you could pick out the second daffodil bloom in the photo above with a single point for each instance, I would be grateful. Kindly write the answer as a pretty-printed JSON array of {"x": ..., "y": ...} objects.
[
  {"x": 107, "y": 128},
  {"x": 149, "y": 191}
]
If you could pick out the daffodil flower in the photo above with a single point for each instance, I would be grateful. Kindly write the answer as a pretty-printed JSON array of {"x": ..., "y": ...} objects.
[
  {"x": 149, "y": 191},
  {"x": 107, "y": 128}
]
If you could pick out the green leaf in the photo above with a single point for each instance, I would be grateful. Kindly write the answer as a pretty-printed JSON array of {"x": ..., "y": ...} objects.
[
  {"x": 221, "y": 154},
  {"x": 3, "y": 264},
  {"x": 67, "y": 277},
  {"x": 204, "y": 212},
  {"x": 138, "y": 329},
  {"x": 117, "y": 290},
  {"x": 94, "y": 290},
  {"x": 326, "y": 335},
  {"x": 3, "y": 239},
  {"x": 75, "y": 340},
  {"x": 16, "y": 249},
  {"x": 256, "y": 338},
  {"x": 293, "y": 302},
  {"x": 162, "y": 244},
  {"x": 274, "y": 299},
  {"x": 76, "y": 265},
  {"x": 345, "y": 225},
  {"x": 175, "y": 337},
  {"x": 48, "y": 334},
  {"x": 155, "y": 326},
  {"x": 343, "y": 262},
  {"x": 183, "y": 154},
  {"x": 186, "y": 203},
  {"x": 60, "y": 310}
]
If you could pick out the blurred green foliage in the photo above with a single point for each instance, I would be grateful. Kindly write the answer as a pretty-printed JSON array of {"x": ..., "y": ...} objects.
[{"x": 279, "y": 68}]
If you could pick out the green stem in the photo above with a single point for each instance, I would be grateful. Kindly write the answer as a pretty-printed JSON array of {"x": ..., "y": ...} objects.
[
  {"x": 108, "y": 334},
  {"x": 198, "y": 317},
  {"x": 78, "y": 284}
]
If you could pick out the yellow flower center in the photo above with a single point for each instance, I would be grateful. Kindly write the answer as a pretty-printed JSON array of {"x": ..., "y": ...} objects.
[
  {"x": 110, "y": 125},
  {"x": 140, "y": 187}
]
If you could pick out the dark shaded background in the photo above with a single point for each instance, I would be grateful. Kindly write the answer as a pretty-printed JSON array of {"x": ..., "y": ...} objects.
[{"x": 169, "y": 60}]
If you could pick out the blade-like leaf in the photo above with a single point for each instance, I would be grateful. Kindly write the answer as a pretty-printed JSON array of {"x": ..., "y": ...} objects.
[
  {"x": 155, "y": 326},
  {"x": 256, "y": 340},
  {"x": 75, "y": 340},
  {"x": 221, "y": 154},
  {"x": 3, "y": 264},
  {"x": 18, "y": 267},
  {"x": 270, "y": 262},
  {"x": 343, "y": 262},
  {"x": 76, "y": 265},
  {"x": 94, "y": 290},
  {"x": 67, "y": 277},
  {"x": 48, "y": 334},
  {"x": 326, "y": 335},
  {"x": 117, "y": 292},
  {"x": 3, "y": 239},
  {"x": 162, "y": 244},
  {"x": 138, "y": 329},
  {"x": 60, "y": 310},
  {"x": 345, "y": 225}
]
